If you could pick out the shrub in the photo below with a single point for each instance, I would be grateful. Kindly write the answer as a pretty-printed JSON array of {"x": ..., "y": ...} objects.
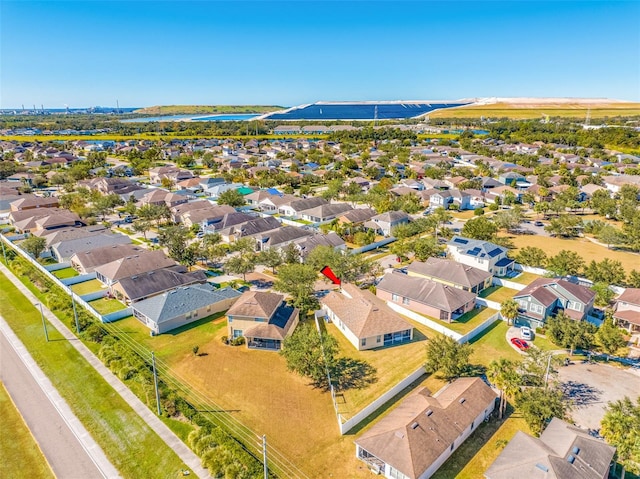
[
  {"x": 478, "y": 212},
  {"x": 225, "y": 339},
  {"x": 239, "y": 341}
]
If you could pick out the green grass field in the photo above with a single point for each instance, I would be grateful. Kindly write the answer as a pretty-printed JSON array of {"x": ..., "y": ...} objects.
[
  {"x": 86, "y": 287},
  {"x": 470, "y": 320},
  {"x": 105, "y": 305},
  {"x": 133, "y": 448},
  {"x": 525, "y": 278},
  {"x": 497, "y": 293},
  {"x": 21, "y": 455},
  {"x": 65, "y": 273},
  {"x": 212, "y": 109},
  {"x": 492, "y": 344},
  {"x": 533, "y": 111}
]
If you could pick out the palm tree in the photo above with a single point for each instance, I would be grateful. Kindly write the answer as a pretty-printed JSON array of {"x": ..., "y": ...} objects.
[
  {"x": 503, "y": 374},
  {"x": 619, "y": 427},
  {"x": 509, "y": 310}
]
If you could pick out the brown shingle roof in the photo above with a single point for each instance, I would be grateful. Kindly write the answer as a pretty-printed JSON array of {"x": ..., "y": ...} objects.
[
  {"x": 630, "y": 295},
  {"x": 136, "y": 264},
  {"x": 543, "y": 289},
  {"x": 410, "y": 438},
  {"x": 450, "y": 271},
  {"x": 256, "y": 304},
  {"x": 89, "y": 260},
  {"x": 364, "y": 313}
]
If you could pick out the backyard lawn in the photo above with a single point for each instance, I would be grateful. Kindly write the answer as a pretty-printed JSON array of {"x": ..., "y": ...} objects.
[
  {"x": 21, "y": 456},
  {"x": 105, "y": 305},
  {"x": 492, "y": 344},
  {"x": 109, "y": 419},
  {"x": 525, "y": 278},
  {"x": 497, "y": 293},
  {"x": 470, "y": 320},
  {"x": 65, "y": 273},
  {"x": 86, "y": 287}
]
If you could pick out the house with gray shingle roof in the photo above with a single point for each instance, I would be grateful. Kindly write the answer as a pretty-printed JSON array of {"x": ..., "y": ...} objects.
[
  {"x": 562, "y": 451},
  {"x": 385, "y": 222},
  {"x": 142, "y": 262},
  {"x": 450, "y": 272},
  {"x": 483, "y": 255},
  {"x": 182, "y": 306},
  {"x": 365, "y": 320},
  {"x": 425, "y": 297},
  {"x": 63, "y": 250}
]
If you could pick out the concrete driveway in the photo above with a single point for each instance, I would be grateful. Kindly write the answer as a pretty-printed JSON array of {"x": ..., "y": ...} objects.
[{"x": 592, "y": 386}]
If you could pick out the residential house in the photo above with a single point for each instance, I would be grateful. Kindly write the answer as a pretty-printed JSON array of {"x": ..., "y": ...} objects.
[
  {"x": 43, "y": 219},
  {"x": 87, "y": 261},
  {"x": 64, "y": 249},
  {"x": 307, "y": 244},
  {"x": 207, "y": 216},
  {"x": 273, "y": 203},
  {"x": 30, "y": 202},
  {"x": 451, "y": 273},
  {"x": 294, "y": 208},
  {"x": 385, "y": 222},
  {"x": 252, "y": 227},
  {"x": 119, "y": 186},
  {"x": 280, "y": 237},
  {"x": 615, "y": 183},
  {"x": 546, "y": 297},
  {"x": 406, "y": 293},
  {"x": 483, "y": 255},
  {"x": 161, "y": 197},
  {"x": 589, "y": 189},
  {"x": 627, "y": 310},
  {"x": 183, "y": 305},
  {"x": 324, "y": 213},
  {"x": 179, "y": 210},
  {"x": 511, "y": 178},
  {"x": 423, "y": 431},
  {"x": 156, "y": 175},
  {"x": 562, "y": 451},
  {"x": 110, "y": 273},
  {"x": 356, "y": 216},
  {"x": 365, "y": 320},
  {"x": 263, "y": 319},
  {"x": 144, "y": 285}
]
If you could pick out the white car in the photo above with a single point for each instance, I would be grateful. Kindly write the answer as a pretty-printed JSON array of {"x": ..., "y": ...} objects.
[{"x": 526, "y": 333}]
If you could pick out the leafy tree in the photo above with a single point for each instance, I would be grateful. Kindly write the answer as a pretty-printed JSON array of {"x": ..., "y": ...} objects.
[
  {"x": 480, "y": 228},
  {"x": 609, "y": 337},
  {"x": 241, "y": 264},
  {"x": 504, "y": 375},
  {"x": 310, "y": 354},
  {"x": 141, "y": 226},
  {"x": 509, "y": 219},
  {"x": 565, "y": 225},
  {"x": 604, "y": 295},
  {"x": 539, "y": 406},
  {"x": 610, "y": 235},
  {"x": 401, "y": 249},
  {"x": 532, "y": 256},
  {"x": 569, "y": 333},
  {"x": 291, "y": 254},
  {"x": 298, "y": 280},
  {"x": 565, "y": 263},
  {"x": 620, "y": 427},
  {"x": 606, "y": 271},
  {"x": 34, "y": 245},
  {"x": 634, "y": 278},
  {"x": 174, "y": 238},
  {"x": 447, "y": 356},
  {"x": 232, "y": 198},
  {"x": 244, "y": 246},
  {"x": 538, "y": 367},
  {"x": 271, "y": 258},
  {"x": 425, "y": 248},
  {"x": 509, "y": 310}
]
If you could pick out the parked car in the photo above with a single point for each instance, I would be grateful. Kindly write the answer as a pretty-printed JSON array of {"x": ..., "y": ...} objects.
[
  {"x": 538, "y": 223},
  {"x": 526, "y": 333},
  {"x": 520, "y": 343}
]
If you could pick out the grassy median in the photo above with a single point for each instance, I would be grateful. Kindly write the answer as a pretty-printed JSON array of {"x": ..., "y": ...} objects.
[{"x": 129, "y": 443}]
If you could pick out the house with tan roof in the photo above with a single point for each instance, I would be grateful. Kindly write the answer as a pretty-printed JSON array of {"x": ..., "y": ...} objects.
[
  {"x": 29, "y": 202},
  {"x": 546, "y": 297},
  {"x": 424, "y": 296},
  {"x": 452, "y": 273},
  {"x": 365, "y": 320},
  {"x": 87, "y": 261},
  {"x": 627, "y": 310},
  {"x": 325, "y": 212},
  {"x": 562, "y": 451},
  {"x": 145, "y": 285},
  {"x": 424, "y": 430},
  {"x": 110, "y": 273},
  {"x": 263, "y": 319}
]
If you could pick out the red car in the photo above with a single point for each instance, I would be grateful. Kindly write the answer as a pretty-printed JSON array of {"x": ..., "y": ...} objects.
[{"x": 520, "y": 343}]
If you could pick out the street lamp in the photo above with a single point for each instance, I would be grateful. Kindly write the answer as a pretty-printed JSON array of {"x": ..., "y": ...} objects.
[{"x": 44, "y": 324}]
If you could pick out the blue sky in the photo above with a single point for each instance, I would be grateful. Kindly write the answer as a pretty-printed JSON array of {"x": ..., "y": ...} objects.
[{"x": 87, "y": 53}]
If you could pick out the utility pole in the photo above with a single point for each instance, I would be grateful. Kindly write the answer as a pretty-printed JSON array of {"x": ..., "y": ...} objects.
[
  {"x": 75, "y": 313},
  {"x": 44, "y": 324},
  {"x": 264, "y": 457},
  {"x": 155, "y": 382},
  {"x": 546, "y": 376}
]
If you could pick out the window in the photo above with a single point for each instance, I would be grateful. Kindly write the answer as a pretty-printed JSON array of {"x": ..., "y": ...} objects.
[
  {"x": 395, "y": 297},
  {"x": 230, "y": 318},
  {"x": 378, "y": 339},
  {"x": 363, "y": 342},
  {"x": 574, "y": 305},
  {"x": 523, "y": 303},
  {"x": 237, "y": 333},
  {"x": 535, "y": 308},
  {"x": 405, "y": 300},
  {"x": 188, "y": 315}
]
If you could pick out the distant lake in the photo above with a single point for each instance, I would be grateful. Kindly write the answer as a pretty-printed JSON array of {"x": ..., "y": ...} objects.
[
  {"x": 238, "y": 117},
  {"x": 360, "y": 111}
]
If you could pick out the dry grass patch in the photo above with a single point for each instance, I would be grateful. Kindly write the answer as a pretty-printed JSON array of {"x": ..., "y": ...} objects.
[{"x": 522, "y": 111}]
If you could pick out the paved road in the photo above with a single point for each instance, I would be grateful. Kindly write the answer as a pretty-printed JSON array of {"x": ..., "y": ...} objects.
[{"x": 63, "y": 450}]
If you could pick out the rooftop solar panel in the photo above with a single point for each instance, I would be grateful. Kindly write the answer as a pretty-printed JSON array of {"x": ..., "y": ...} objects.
[{"x": 495, "y": 252}]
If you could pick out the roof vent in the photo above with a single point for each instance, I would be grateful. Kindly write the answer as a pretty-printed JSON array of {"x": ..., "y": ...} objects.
[
  {"x": 462, "y": 400},
  {"x": 414, "y": 425},
  {"x": 542, "y": 467},
  {"x": 575, "y": 450},
  {"x": 570, "y": 459},
  {"x": 429, "y": 412},
  {"x": 399, "y": 435}
]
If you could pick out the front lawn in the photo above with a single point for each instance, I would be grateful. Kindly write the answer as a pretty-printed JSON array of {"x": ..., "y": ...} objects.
[
  {"x": 105, "y": 306},
  {"x": 498, "y": 293},
  {"x": 492, "y": 344},
  {"x": 65, "y": 273},
  {"x": 21, "y": 455}
]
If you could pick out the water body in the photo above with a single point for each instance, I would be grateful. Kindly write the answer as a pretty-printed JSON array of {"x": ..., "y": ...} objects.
[
  {"x": 360, "y": 111},
  {"x": 238, "y": 117}
]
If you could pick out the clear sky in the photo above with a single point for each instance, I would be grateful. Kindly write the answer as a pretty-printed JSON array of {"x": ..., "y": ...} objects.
[{"x": 89, "y": 53}]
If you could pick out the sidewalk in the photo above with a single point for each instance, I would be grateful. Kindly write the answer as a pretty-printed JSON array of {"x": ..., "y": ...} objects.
[{"x": 173, "y": 441}]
